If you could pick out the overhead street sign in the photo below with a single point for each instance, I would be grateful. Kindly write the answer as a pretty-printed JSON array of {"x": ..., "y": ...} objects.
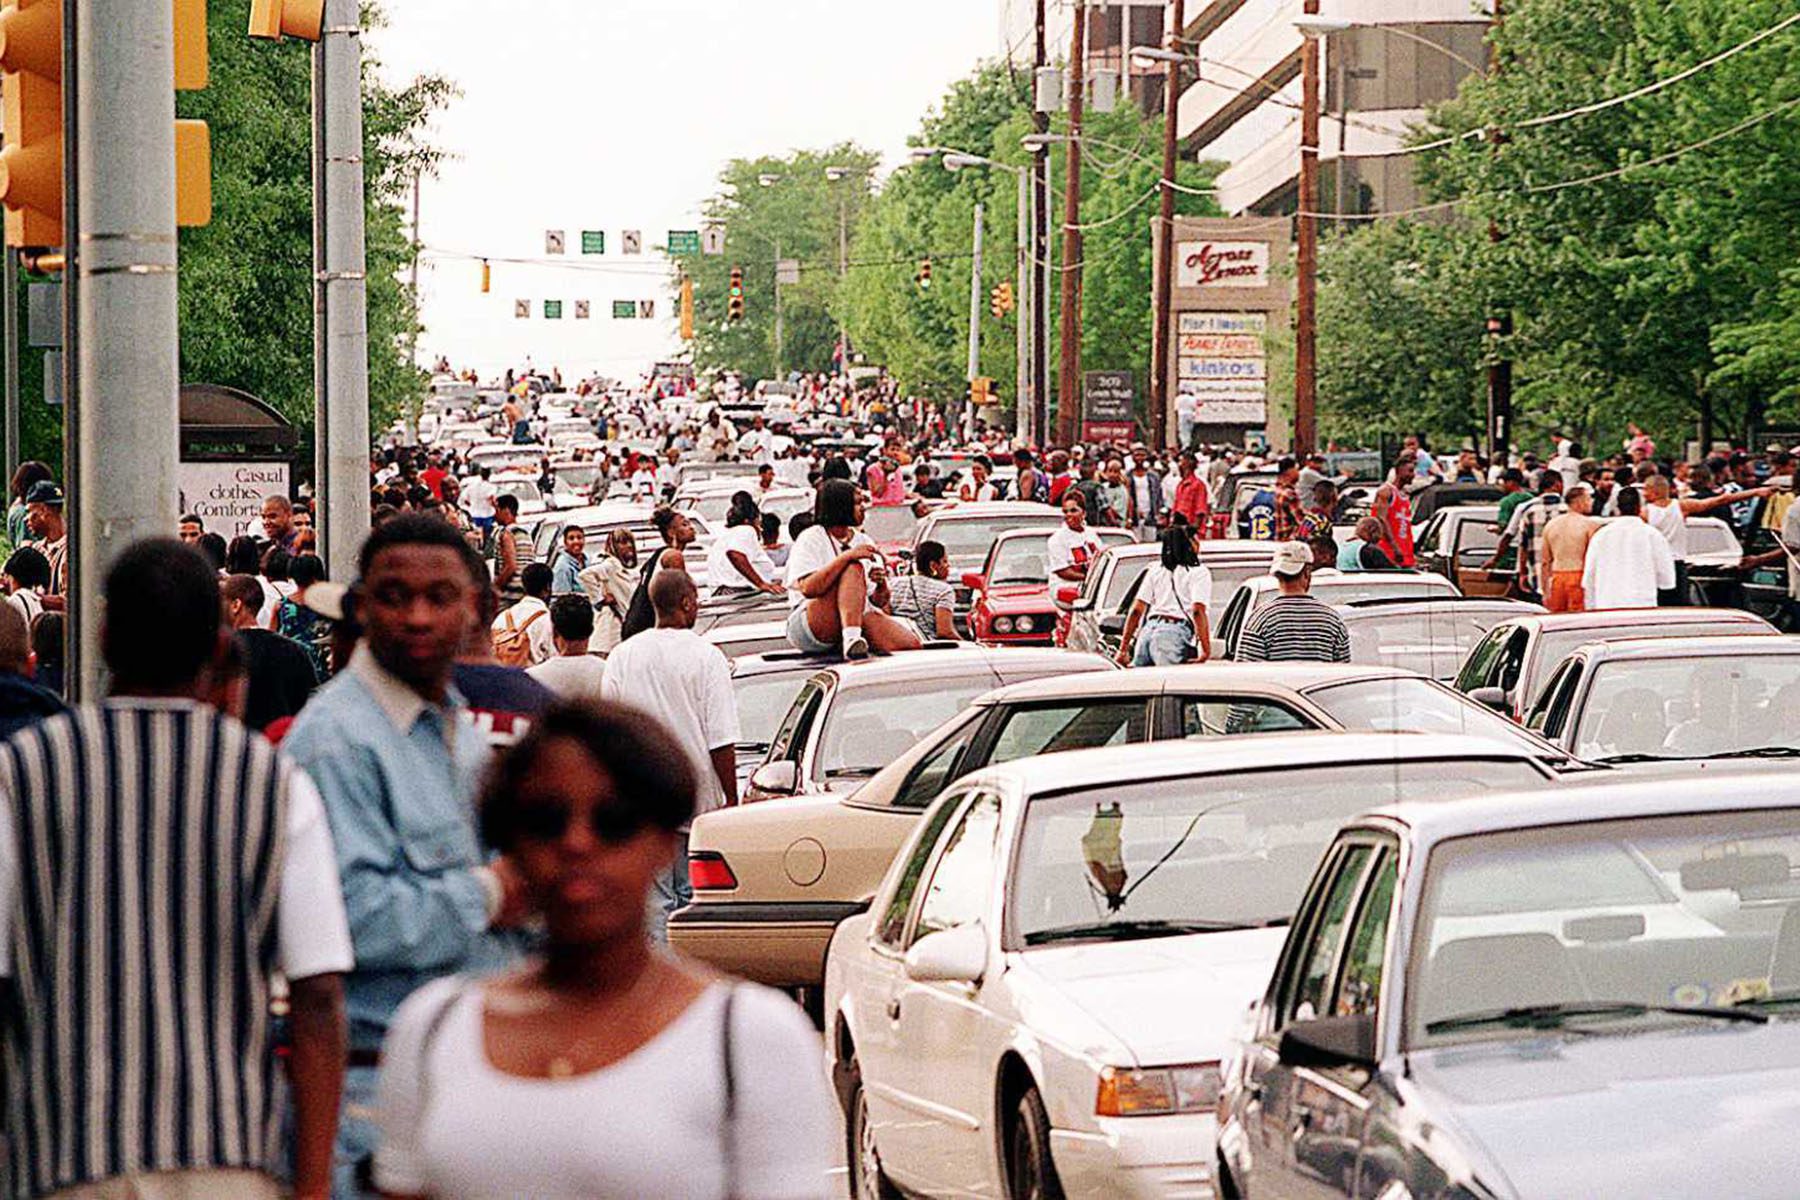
[
  {"x": 684, "y": 242},
  {"x": 787, "y": 272},
  {"x": 522, "y": 309},
  {"x": 713, "y": 240},
  {"x": 646, "y": 310},
  {"x": 633, "y": 240},
  {"x": 625, "y": 310},
  {"x": 553, "y": 310},
  {"x": 593, "y": 241},
  {"x": 553, "y": 242},
  {"x": 583, "y": 310}
]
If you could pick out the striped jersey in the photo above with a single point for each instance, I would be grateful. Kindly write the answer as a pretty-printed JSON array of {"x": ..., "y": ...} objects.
[
  {"x": 149, "y": 837},
  {"x": 1294, "y": 629}
]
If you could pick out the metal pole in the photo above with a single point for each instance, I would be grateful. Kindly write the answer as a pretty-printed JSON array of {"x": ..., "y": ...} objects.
[
  {"x": 1040, "y": 258},
  {"x": 975, "y": 296},
  {"x": 843, "y": 272},
  {"x": 78, "y": 571},
  {"x": 1306, "y": 388},
  {"x": 412, "y": 352},
  {"x": 1342, "y": 66},
  {"x": 130, "y": 368},
  {"x": 1021, "y": 317},
  {"x": 344, "y": 430},
  {"x": 779, "y": 333},
  {"x": 1068, "y": 385},
  {"x": 1500, "y": 376},
  {"x": 1165, "y": 246},
  {"x": 9, "y": 280}
]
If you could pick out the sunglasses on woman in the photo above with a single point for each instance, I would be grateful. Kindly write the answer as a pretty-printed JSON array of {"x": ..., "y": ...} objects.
[{"x": 550, "y": 822}]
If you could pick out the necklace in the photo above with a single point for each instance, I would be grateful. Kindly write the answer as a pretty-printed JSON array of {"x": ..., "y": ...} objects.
[{"x": 563, "y": 1066}]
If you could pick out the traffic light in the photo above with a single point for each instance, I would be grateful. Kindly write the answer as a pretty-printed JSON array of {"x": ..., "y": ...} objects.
[
  {"x": 1003, "y": 300},
  {"x": 31, "y": 166},
  {"x": 734, "y": 311},
  {"x": 923, "y": 278},
  {"x": 276, "y": 19},
  {"x": 193, "y": 140},
  {"x": 981, "y": 392},
  {"x": 487, "y": 277}
]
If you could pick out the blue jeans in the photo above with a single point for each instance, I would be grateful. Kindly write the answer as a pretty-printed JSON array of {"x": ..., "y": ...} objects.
[
  {"x": 671, "y": 892},
  {"x": 1164, "y": 643},
  {"x": 357, "y": 1134}
]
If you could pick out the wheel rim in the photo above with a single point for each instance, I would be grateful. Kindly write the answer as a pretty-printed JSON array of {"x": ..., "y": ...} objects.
[
  {"x": 868, "y": 1158},
  {"x": 1025, "y": 1182}
]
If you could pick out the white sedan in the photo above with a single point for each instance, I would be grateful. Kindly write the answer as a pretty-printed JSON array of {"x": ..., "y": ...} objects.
[{"x": 1038, "y": 1000}]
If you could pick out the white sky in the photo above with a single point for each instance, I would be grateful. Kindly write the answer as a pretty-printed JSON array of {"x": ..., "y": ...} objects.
[{"x": 619, "y": 114}]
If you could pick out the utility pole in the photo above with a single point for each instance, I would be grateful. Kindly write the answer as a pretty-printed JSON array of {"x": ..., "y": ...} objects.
[
  {"x": 412, "y": 341},
  {"x": 125, "y": 258},
  {"x": 1069, "y": 385},
  {"x": 780, "y": 333},
  {"x": 1023, "y": 314},
  {"x": 340, "y": 291},
  {"x": 1500, "y": 326},
  {"x": 1040, "y": 257},
  {"x": 1161, "y": 331},
  {"x": 1306, "y": 299},
  {"x": 9, "y": 281},
  {"x": 975, "y": 300}
]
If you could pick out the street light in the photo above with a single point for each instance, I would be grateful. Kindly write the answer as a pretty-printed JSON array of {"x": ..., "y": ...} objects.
[
  {"x": 1164, "y": 301},
  {"x": 838, "y": 175},
  {"x": 1312, "y": 26},
  {"x": 1157, "y": 54}
]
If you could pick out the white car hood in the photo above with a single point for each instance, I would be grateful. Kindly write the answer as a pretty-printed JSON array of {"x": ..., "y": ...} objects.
[{"x": 1165, "y": 1001}]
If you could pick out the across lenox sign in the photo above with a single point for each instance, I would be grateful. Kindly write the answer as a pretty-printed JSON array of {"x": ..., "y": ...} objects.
[{"x": 1223, "y": 264}]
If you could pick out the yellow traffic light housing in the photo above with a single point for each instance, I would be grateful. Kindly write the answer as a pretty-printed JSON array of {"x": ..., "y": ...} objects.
[
  {"x": 276, "y": 19},
  {"x": 1002, "y": 301},
  {"x": 735, "y": 308},
  {"x": 31, "y": 165},
  {"x": 981, "y": 391}
]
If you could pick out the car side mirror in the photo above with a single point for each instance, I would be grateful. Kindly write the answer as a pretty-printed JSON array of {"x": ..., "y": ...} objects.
[
  {"x": 973, "y": 580},
  {"x": 1490, "y": 697},
  {"x": 1075, "y": 604},
  {"x": 1330, "y": 1042},
  {"x": 904, "y": 554},
  {"x": 954, "y": 956},
  {"x": 777, "y": 778}
]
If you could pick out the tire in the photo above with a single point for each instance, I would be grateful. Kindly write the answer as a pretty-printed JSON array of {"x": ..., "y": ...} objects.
[
  {"x": 1030, "y": 1171},
  {"x": 867, "y": 1180}
]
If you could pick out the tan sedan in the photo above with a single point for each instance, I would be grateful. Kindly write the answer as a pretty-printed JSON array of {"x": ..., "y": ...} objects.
[{"x": 773, "y": 880}]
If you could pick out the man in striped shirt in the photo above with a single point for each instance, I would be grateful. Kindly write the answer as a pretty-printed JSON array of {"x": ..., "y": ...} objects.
[
  {"x": 158, "y": 864},
  {"x": 1294, "y": 627}
]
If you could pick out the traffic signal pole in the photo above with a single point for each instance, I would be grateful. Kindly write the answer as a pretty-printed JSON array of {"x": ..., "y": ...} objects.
[
  {"x": 127, "y": 409},
  {"x": 975, "y": 301},
  {"x": 340, "y": 292}
]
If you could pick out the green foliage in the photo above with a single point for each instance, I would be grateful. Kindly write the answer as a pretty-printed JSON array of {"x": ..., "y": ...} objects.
[
  {"x": 246, "y": 280},
  {"x": 1661, "y": 293}
]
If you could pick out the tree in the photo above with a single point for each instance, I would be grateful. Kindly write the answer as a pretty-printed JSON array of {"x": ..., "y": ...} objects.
[{"x": 246, "y": 280}]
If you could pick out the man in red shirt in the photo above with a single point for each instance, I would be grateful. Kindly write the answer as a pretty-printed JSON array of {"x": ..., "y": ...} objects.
[
  {"x": 433, "y": 475},
  {"x": 1191, "y": 501},
  {"x": 1393, "y": 508},
  {"x": 1061, "y": 477}
]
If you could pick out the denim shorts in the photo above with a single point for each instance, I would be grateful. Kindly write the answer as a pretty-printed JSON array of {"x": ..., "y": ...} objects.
[
  {"x": 801, "y": 636},
  {"x": 1164, "y": 643}
]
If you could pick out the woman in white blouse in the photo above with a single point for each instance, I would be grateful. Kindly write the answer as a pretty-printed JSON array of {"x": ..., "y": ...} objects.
[
  {"x": 605, "y": 1070},
  {"x": 1168, "y": 624}
]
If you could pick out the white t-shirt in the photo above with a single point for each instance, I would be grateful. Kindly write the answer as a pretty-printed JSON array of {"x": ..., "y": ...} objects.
[
  {"x": 683, "y": 681},
  {"x": 1068, "y": 548},
  {"x": 969, "y": 493},
  {"x": 744, "y": 540},
  {"x": 478, "y": 497},
  {"x": 1173, "y": 594},
  {"x": 1671, "y": 522},
  {"x": 1627, "y": 562},
  {"x": 813, "y": 551},
  {"x": 533, "y": 616},
  {"x": 312, "y": 933},
  {"x": 571, "y": 676},
  {"x": 456, "y": 1128}
]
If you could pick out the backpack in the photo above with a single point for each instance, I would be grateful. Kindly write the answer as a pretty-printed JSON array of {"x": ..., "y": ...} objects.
[
  {"x": 512, "y": 645},
  {"x": 640, "y": 614}
]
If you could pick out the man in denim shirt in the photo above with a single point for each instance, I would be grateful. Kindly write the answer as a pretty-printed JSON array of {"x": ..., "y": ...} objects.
[{"x": 394, "y": 753}]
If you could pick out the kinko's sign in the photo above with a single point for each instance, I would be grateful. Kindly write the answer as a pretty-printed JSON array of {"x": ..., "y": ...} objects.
[
  {"x": 228, "y": 497},
  {"x": 1222, "y": 265}
]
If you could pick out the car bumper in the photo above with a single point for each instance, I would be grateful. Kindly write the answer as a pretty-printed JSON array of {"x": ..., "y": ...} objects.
[
  {"x": 1170, "y": 1158},
  {"x": 780, "y": 945}
]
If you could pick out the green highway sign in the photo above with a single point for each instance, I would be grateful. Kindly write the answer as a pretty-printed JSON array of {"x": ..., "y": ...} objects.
[
  {"x": 625, "y": 310},
  {"x": 593, "y": 241},
  {"x": 684, "y": 241},
  {"x": 553, "y": 310}
]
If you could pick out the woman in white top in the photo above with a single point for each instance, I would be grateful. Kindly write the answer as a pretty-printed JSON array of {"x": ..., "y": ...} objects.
[
  {"x": 605, "y": 1070},
  {"x": 1170, "y": 609},
  {"x": 744, "y": 564},
  {"x": 609, "y": 585}
]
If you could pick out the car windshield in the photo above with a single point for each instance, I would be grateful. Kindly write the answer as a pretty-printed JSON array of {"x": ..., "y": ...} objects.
[
  {"x": 1227, "y": 578},
  {"x": 1404, "y": 704},
  {"x": 889, "y": 523},
  {"x": 1021, "y": 560},
  {"x": 869, "y": 727},
  {"x": 968, "y": 542},
  {"x": 1606, "y": 922},
  {"x": 1712, "y": 537},
  {"x": 762, "y": 700},
  {"x": 1125, "y": 575},
  {"x": 1694, "y": 707},
  {"x": 525, "y": 489},
  {"x": 1432, "y": 642},
  {"x": 578, "y": 478},
  {"x": 1556, "y": 645},
  {"x": 1224, "y": 851}
]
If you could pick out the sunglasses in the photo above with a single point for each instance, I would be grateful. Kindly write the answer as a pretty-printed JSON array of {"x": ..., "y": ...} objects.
[{"x": 550, "y": 822}]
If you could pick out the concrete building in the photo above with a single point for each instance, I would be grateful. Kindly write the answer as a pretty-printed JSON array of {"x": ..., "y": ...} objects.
[
  {"x": 1379, "y": 79},
  {"x": 1113, "y": 29}
]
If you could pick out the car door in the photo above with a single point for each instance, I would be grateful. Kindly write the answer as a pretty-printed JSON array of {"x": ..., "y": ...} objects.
[
  {"x": 1472, "y": 547},
  {"x": 1306, "y": 1124},
  {"x": 1232, "y": 623},
  {"x": 942, "y": 1076}
]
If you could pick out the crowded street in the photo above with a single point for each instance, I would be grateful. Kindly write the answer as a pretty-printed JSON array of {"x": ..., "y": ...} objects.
[{"x": 985, "y": 661}]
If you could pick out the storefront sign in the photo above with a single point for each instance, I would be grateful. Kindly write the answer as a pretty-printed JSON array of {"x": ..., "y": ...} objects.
[
  {"x": 1221, "y": 345},
  {"x": 228, "y": 497},
  {"x": 1222, "y": 265},
  {"x": 1111, "y": 396}
]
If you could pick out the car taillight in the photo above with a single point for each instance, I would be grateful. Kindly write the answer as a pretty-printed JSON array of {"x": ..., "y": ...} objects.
[{"x": 709, "y": 872}]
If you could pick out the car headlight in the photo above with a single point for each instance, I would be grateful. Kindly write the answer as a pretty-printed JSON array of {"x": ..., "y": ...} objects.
[
  {"x": 1157, "y": 1091},
  {"x": 1024, "y": 625},
  {"x": 1003, "y": 624}
]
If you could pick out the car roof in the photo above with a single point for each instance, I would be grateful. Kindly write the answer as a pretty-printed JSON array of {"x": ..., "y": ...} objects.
[
  {"x": 1076, "y": 770},
  {"x": 1378, "y": 579},
  {"x": 975, "y": 511},
  {"x": 1154, "y": 681},
  {"x": 1015, "y": 535},
  {"x": 1599, "y": 799},
  {"x": 1609, "y": 618},
  {"x": 757, "y": 632},
  {"x": 957, "y": 659},
  {"x": 1382, "y": 606},
  {"x": 1721, "y": 646}
]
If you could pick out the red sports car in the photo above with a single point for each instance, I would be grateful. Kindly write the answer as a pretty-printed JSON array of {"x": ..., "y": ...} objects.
[{"x": 1013, "y": 604}]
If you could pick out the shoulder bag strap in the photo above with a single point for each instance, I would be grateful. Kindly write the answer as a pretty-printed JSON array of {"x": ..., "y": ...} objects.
[{"x": 729, "y": 1131}]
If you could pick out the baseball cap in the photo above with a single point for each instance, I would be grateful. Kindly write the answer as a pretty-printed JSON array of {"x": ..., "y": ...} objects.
[
  {"x": 44, "y": 492},
  {"x": 1291, "y": 559}
]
